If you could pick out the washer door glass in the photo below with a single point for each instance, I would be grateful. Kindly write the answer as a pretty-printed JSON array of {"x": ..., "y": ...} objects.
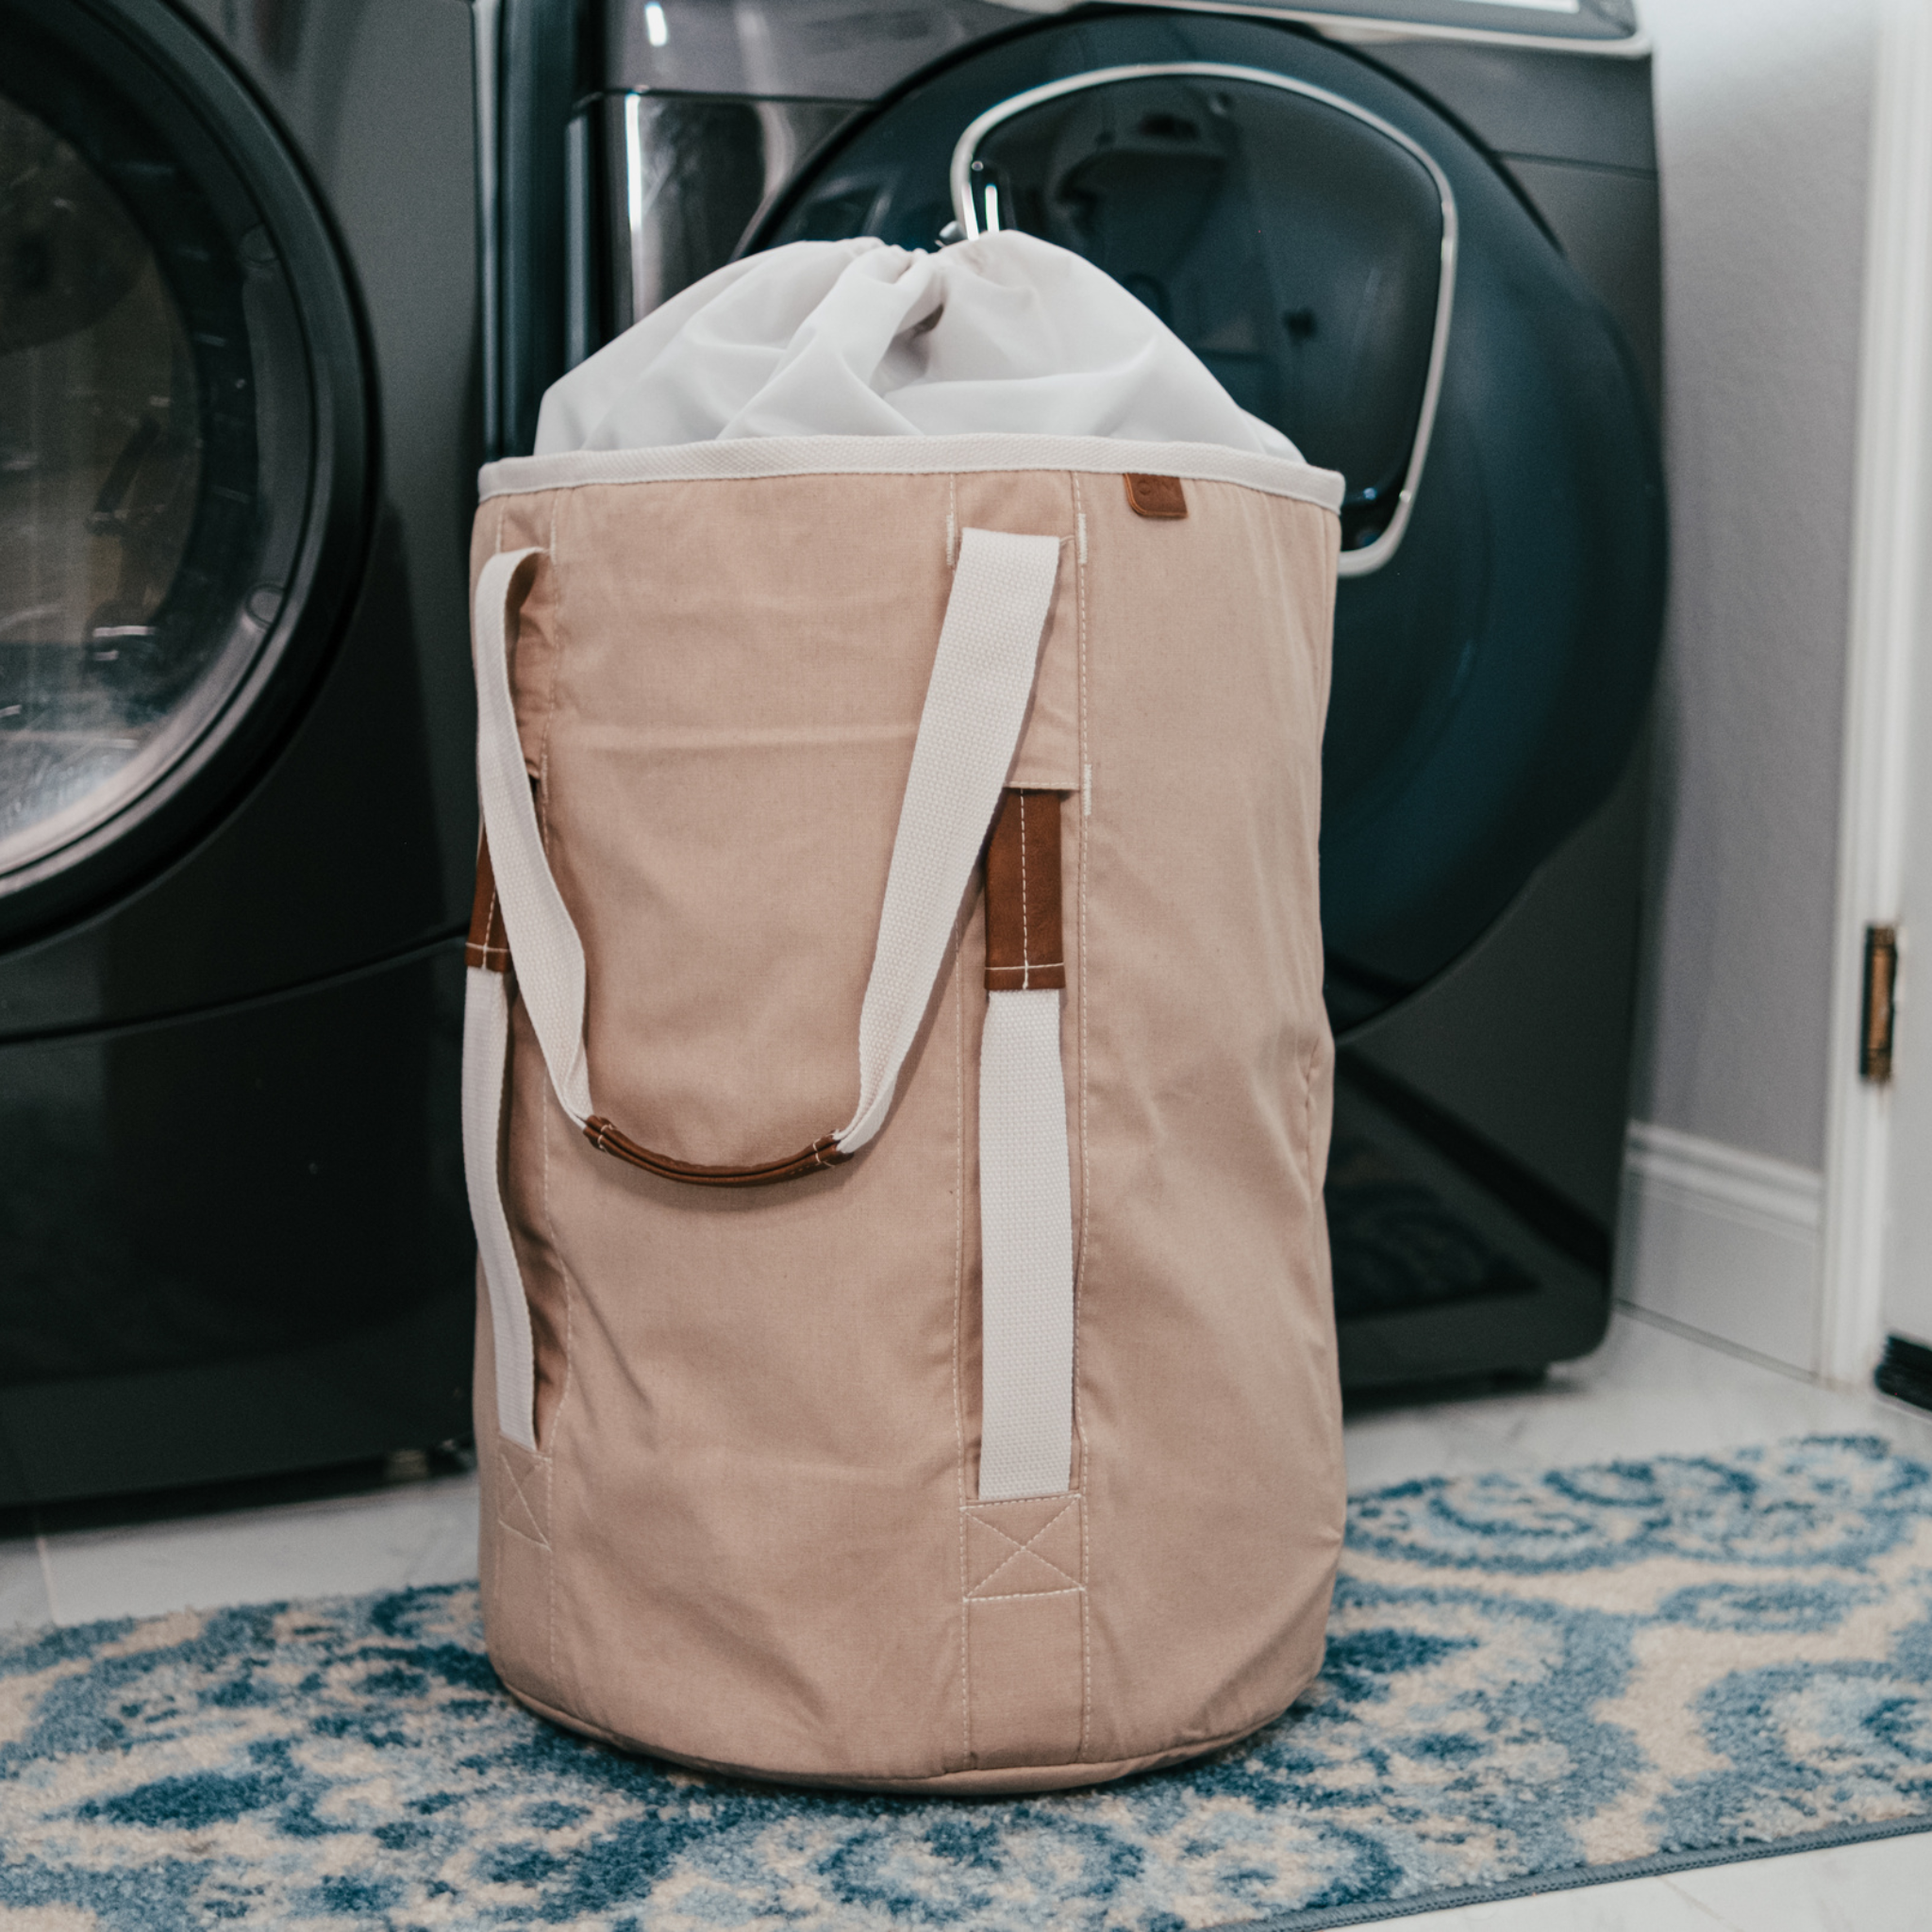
[
  {"x": 157, "y": 452},
  {"x": 100, "y": 473},
  {"x": 1323, "y": 313}
]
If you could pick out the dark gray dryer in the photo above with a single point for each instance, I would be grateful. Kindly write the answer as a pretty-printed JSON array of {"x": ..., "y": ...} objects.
[{"x": 1419, "y": 237}]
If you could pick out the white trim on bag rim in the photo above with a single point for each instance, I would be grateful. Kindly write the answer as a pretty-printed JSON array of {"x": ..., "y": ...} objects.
[{"x": 737, "y": 458}]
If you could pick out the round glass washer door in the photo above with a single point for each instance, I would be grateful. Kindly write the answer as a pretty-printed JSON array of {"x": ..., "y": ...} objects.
[
  {"x": 1353, "y": 269},
  {"x": 163, "y": 442},
  {"x": 1325, "y": 313}
]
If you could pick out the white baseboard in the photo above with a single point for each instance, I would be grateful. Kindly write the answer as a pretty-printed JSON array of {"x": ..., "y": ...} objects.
[{"x": 1723, "y": 1241}]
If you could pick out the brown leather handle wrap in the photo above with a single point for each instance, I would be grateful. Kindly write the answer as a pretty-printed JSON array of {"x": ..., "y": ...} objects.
[
  {"x": 486, "y": 945},
  {"x": 1024, "y": 948},
  {"x": 607, "y": 1140}
]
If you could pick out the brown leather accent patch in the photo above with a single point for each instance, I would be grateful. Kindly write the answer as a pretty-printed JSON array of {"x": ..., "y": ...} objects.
[
  {"x": 1157, "y": 496},
  {"x": 603, "y": 1136},
  {"x": 1023, "y": 951},
  {"x": 487, "y": 945}
]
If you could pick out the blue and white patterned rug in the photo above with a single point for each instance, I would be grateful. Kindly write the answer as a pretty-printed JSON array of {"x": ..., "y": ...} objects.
[{"x": 1531, "y": 1682}]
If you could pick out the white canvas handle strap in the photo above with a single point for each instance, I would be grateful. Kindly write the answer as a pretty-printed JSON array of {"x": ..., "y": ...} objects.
[
  {"x": 485, "y": 1060},
  {"x": 486, "y": 1052},
  {"x": 1026, "y": 1252},
  {"x": 969, "y": 730},
  {"x": 542, "y": 937},
  {"x": 1025, "y": 1206}
]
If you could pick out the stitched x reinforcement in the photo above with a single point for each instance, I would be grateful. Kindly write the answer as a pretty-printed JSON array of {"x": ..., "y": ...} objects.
[{"x": 1023, "y": 1549}]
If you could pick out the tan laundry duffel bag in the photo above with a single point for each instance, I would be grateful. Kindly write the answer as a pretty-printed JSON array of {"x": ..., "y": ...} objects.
[{"x": 896, "y": 1080}]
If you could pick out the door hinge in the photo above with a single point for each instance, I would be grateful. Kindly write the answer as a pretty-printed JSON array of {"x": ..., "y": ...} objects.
[{"x": 1881, "y": 980}]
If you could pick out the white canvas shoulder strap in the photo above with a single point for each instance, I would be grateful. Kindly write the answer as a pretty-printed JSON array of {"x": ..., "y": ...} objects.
[{"x": 969, "y": 730}]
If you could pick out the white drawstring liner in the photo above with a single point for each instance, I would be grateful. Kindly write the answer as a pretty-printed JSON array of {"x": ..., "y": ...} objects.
[{"x": 1004, "y": 333}]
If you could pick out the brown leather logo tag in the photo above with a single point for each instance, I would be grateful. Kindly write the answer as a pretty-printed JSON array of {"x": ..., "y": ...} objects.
[{"x": 1157, "y": 496}]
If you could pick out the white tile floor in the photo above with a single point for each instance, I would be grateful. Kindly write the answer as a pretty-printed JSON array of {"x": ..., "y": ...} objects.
[
  {"x": 1647, "y": 1391},
  {"x": 418, "y": 1532}
]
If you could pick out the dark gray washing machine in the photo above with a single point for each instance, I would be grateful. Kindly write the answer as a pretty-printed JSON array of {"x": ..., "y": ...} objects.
[
  {"x": 238, "y": 439},
  {"x": 1420, "y": 236}
]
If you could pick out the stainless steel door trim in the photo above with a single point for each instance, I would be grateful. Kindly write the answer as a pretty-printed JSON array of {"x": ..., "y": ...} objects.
[
  {"x": 1353, "y": 29},
  {"x": 484, "y": 16},
  {"x": 795, "y": 129},
  {"x": 771, "y": 49},
  {"x": 1372, "y": 557},
  {"x": 639, "y": 165},
  {"x": 580, "y": 244},
  {"x": 638, "y": 197}
]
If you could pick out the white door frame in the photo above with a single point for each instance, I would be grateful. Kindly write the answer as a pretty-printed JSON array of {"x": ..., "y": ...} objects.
[{"x": 1892, "y": 526}]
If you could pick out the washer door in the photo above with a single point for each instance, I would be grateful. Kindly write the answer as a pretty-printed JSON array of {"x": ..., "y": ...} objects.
[
  {"x": 181, "y": 443},
  {"x": 1359, "y": 274},
  {"x": 1187, "y": 182}
]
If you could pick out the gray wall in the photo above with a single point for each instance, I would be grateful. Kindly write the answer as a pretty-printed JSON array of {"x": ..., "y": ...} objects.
[{"x": 1763, "y": 112}]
